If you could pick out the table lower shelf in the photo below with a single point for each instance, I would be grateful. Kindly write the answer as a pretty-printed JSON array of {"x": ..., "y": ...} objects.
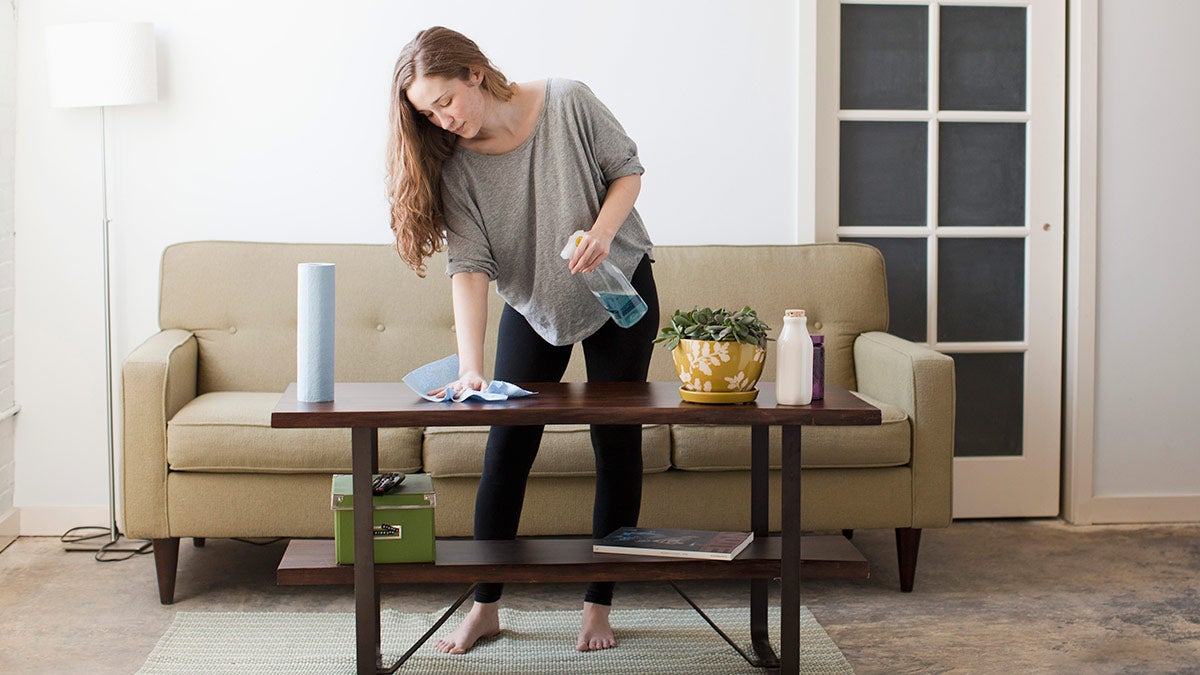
[{"x": 311, "y": 562}]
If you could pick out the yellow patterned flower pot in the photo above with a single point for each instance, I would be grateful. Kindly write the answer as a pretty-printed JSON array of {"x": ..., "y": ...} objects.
[{"x": 718, "y": 372}]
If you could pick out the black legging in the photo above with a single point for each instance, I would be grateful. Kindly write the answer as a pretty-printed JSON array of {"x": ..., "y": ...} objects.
[{"x": 612, "y": 354}]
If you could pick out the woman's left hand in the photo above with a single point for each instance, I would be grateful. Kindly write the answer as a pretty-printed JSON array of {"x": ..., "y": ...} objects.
[{"x": 592, "y": 249}]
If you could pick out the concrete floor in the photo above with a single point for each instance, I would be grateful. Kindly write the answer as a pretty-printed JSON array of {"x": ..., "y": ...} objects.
[{"x": 991, "y": 597}]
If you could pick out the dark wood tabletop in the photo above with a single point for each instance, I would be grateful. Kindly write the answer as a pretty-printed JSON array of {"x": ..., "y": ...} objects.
[{"x": 393, "y": 404}]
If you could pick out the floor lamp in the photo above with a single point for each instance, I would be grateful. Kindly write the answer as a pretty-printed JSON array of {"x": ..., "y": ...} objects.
[{"x": 100, "y": 65}]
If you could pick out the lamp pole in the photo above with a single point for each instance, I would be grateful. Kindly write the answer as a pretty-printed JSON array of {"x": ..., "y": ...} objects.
[
  {"x": 114, "y": 543},
  {"x": 108, "y": 387}
]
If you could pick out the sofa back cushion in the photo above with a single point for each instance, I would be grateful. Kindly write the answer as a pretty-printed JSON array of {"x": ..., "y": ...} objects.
[
  {"x": 239, "y": 298},
  {"x": 841, "y": 287}
]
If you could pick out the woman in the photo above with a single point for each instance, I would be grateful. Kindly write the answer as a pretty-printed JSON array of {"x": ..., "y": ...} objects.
[{"x": 501, "y": 174}]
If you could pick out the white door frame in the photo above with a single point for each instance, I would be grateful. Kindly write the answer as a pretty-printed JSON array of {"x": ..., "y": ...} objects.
[{"x": 1079, "y": 364}]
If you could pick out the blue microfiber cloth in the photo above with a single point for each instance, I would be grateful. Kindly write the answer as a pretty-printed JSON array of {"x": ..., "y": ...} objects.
[{"x": 438, "y": 374}]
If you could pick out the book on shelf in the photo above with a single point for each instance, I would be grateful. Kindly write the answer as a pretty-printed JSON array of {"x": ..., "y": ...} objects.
[{"x": 704, "y": 544}]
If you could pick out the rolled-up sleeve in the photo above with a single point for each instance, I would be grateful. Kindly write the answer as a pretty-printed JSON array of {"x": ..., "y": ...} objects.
[
  {"x": 467, "y": 247},
  {"x": 613, "y": 149}
]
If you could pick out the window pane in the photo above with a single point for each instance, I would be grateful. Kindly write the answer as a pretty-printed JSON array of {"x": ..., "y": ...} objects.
[
  {"x": 989, "y": 399},
  {"x": 981, "y": 174},
  {"x": 883, "y": 167},
  {"x": 907, "y": 269},
  {"x": 982, "y": 53},
  {"x": 885, "y": 57},
  {"x": 981, "y": 290}
]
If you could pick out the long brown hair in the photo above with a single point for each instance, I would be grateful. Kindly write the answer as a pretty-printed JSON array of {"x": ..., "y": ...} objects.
[{"x": 417, "y": 148}]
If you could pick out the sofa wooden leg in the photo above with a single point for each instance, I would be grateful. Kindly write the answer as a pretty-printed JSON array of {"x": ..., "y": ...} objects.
[
  {"x": 908, "y": 540},
  {"x": 198, "y": 542},
  {"x": 166, "y": 560}
]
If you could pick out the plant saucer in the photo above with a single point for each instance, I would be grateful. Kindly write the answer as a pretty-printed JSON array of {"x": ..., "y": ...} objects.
[{"x": 718, "y": 396}]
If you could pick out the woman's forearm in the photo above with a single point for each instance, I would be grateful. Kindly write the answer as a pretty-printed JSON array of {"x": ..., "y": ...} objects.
[
  {"x": 618, "y": 202},
  {"x": 469, "y": 291},
  {"x": 622, "y": 194}
]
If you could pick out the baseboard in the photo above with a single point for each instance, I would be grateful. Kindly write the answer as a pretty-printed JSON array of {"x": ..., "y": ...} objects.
[
  {"x": 10, "y": 527},
  {"x": 52, "y": 521},
  {"x": 1144, "y": 509}
]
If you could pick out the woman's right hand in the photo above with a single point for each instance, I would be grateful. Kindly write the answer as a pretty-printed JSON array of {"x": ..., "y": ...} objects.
[{"x": 469, "y": 380}]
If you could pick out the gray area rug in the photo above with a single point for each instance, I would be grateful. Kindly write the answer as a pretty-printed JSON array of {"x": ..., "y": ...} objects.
[{"x": 650, "y": 641}]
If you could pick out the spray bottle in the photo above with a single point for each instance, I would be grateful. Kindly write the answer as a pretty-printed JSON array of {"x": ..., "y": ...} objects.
[{"x": 610, "y": 287}]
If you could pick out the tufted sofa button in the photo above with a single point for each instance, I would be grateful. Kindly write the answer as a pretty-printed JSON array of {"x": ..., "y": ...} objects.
[
  {"x": 817, "y": 325},
  {"x": 232, "y": 330},
  {"x": 380, "y": 328},
  {"x": 453, "y": 328}
]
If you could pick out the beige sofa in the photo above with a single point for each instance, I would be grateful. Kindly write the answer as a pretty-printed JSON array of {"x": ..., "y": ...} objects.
[{"x": 201, "y": 460}]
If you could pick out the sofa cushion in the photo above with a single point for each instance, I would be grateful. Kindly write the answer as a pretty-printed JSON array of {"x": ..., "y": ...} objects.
[
  {"x": 249, "y": 345},
  {"x": 699, "y": 447},
  {"x": 230, "y": 432},
  {"x": 566, "y": 450},
  {"x": 841, "y": 286}
]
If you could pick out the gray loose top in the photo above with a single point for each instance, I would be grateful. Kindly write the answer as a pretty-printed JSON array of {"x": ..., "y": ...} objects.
[{"x": 510, "y": 215}]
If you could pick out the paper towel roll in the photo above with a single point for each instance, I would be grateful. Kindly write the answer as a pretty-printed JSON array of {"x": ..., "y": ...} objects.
[{"x": 314, "y": 332}]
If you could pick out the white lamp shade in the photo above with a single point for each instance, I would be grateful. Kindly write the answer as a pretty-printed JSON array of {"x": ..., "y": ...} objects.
[{"x": 98, "y": 64}]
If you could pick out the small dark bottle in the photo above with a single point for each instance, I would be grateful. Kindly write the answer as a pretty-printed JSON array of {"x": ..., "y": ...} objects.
[{"x": 818, "y": 389}]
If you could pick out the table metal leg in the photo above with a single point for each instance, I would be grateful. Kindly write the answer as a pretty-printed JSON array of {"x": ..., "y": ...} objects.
[
  {"x": 365, "y": 458},
  {"x": 789, "y": 604},
  {"x": 760, "y": 511}
]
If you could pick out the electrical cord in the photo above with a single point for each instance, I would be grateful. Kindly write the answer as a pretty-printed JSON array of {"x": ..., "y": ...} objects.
[
  {"x": 148, "y": 547},
  {"x": 103, "y": 554},
  {"x": 67, "y": 537}
]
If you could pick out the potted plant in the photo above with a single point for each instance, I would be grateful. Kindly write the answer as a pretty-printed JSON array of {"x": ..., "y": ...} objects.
[{"x": 719, "y": 354}]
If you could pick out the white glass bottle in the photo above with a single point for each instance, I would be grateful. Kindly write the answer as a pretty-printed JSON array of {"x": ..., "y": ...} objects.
[{"x": 794, "y": 360}]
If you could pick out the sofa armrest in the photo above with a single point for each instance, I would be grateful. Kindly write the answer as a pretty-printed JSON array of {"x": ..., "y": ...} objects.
[
  {"x": 920, "y": 381},
  {"x": 158, "y": 379}
]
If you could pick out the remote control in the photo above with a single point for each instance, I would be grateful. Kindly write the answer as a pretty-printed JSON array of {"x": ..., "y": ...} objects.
[{"x": 386, "y": 482}]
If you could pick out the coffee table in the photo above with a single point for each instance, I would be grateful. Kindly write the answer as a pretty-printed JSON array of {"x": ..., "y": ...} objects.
[{"x": 366, "y": 407}]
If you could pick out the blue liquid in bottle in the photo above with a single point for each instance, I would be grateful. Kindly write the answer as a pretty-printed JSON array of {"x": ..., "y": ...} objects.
[{"x": 626, "y": 310}]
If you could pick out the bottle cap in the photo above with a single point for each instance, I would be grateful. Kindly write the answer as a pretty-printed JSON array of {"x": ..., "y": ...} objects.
[
  {"x": 572, "y": 242},
  {"x": 792, "y": 313},
  {"x": 818, "y": 339}
]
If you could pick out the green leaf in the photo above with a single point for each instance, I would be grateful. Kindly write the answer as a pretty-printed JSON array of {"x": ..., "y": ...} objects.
[{"x": 722, "y": 325}]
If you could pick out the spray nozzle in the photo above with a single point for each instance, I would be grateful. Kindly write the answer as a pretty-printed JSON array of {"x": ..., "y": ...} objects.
[{"x": 572, "y": 243}]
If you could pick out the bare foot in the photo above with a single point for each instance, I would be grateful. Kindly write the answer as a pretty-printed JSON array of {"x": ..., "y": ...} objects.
[
  {"x": 482, "y": 621},
  {"x": 597, "y": 632}
]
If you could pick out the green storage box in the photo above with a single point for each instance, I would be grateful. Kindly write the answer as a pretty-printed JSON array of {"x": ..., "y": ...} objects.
[{"x": 408, "y": 509}]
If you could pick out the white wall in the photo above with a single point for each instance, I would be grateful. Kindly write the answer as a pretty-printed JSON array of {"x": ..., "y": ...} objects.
[
  {"x": 1147, "y": 443},
  {"x": 271, "y": 127},
  {"x": 8, "y": 102}
]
